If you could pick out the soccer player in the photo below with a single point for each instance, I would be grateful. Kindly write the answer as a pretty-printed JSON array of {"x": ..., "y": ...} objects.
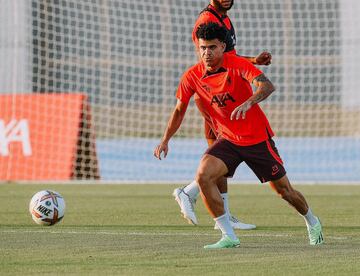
[
  {"x": 186, "y": 197},
  {"x": 223, "y": 84}
]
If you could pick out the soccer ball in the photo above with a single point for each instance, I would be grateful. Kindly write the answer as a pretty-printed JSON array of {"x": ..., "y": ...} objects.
[{"x": 47, "y": 207}]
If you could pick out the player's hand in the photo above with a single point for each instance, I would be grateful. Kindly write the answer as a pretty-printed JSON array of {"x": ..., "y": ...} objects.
[
  {"x": 240, "y": 111},
  {"x": 263, "y": 59},
  {"x": 162, "y": 147}
]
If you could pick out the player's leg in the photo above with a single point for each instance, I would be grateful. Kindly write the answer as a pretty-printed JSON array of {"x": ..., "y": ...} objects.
[
  {"x": 266, "y": 163},
  {"x": 222, "y": 185},
  {"x": 235, "y": 222},
  {"x": 192, "y": 189},
  {"x": 288, "y": 193},
  {"x": 186, "y": 197},
  {"x": 283, "y": 187},
  {"x": 220, "y": 160},
  {"x": 210, "y": 170}
]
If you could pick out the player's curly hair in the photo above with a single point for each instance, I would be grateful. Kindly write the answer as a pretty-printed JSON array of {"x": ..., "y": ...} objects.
[{"x": 210, "y": 31}]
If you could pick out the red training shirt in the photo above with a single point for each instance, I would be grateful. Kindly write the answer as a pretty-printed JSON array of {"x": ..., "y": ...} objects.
[{"x": 221, "y": 93}]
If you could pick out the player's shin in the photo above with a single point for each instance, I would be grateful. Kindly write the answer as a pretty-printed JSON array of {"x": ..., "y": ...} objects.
[{"x": 211, "y": 197}]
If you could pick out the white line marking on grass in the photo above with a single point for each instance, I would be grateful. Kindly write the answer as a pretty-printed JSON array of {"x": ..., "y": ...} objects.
[
  {"x": 335, "y": 238},
  {"x": 135, "y": 233},
  {"x": 157, "y": 234},
  {"x": 107, "y": 233}
]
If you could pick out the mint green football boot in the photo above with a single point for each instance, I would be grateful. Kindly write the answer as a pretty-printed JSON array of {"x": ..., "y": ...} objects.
[
  {"x": 315, "y": 233},
  {"x": 224, "y": 242}
]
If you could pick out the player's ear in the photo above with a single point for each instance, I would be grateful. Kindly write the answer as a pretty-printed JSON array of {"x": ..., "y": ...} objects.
[{"x": 223, "y": 45}]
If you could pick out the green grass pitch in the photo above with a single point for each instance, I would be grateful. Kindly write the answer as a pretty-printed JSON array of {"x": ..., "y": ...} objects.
[{"x": 138, "y": 230}]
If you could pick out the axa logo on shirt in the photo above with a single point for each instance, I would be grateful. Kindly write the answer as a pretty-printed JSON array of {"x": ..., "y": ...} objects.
[
  {"x": 15, "y": 131},
  {"x": 220, "y": 99}
]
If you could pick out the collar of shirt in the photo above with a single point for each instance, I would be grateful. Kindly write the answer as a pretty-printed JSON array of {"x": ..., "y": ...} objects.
[
  {"x": 220, "y": 70},
  {"x": 207, "y": 73},
  {"x": 223, "y": 16}
]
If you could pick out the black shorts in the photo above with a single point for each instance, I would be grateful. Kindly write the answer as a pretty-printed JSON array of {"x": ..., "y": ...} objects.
[{"x": 263, "y": 158}]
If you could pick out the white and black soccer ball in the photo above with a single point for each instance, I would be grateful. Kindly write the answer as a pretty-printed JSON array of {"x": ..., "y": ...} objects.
[{"x": 47, "y": 207}]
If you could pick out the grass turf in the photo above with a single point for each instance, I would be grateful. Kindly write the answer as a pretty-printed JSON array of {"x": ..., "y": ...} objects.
[{"x": 138, "y": 230}]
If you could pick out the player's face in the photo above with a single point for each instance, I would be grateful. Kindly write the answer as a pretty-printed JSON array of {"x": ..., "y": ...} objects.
[
  {"x": 223, "y": 5},
  {"x": 211, "y": 53}
]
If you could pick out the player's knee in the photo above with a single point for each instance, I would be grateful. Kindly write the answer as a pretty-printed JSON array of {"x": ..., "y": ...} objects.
[
  {"x": 204, "y": 178},
  {"x": 284, "y": 191}
]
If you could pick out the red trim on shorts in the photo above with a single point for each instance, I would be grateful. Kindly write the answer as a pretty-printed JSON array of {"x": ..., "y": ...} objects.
[{"x": 273, "y": 153}]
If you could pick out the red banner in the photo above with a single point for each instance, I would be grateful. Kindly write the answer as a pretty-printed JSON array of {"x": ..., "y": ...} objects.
[{"x": 40, "y": 134}]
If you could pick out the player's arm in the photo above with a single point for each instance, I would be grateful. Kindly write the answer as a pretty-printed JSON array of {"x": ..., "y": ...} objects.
[
  {"x": 263, "y": 58},
  {"x": 173, "y": 125},
  {"x": 264, "y": 88}
]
